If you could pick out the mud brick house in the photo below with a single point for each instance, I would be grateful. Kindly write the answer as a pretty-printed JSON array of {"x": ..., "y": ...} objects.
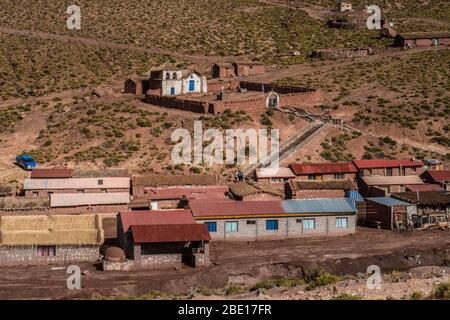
[
  {"x": 274, "y": 176},
  {"x": 433, "y": 164},
  {"x": 176, "y": 197},
  {"x": 244, "y": 191},
  {"x": 267, "y": 220},
  {"x": 387, "y": 167},
  {"x": 46, "y": 187},
  {"x": 380, "y": 186},
  {"x": 422, "y": 39},
  {"x": 163, "y": 239},
  {"x": 433, "y": 208},
  {"x": 141, "y": 185},
  {"x": 248, "y": 68},
  {"x": 313, "y": 189},
  {"x": 169, "y": 81},
  {"x": 324, "y": 171},
  {"x": 52, "y": 173},
  {"x": 136, "y": 85},
  {"x": 50, "y": 239},
  {"x": 438, "y": 177},
  {"x": 389, "y": 213},
  {"x": 423, "y": 187},
  {"x": 222, "y": 70}
]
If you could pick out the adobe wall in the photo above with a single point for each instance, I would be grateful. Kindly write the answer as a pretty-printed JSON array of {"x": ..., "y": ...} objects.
[
  {"x": 326, "y": 176},
  {"x": 340, "y": 53},
  {"x": 45, "y": 192},
  {"x": 105, "y": 209},
  {"x": 215, "y": 86},
  {"x": 315, "y": 194},
  {"x": 175, "y": 103}
]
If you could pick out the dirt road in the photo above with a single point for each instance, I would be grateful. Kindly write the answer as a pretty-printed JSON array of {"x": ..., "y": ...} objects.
[{"x": 241, "y": 262}]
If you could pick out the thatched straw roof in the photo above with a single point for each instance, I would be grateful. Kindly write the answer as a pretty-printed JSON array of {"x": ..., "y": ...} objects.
[
  {"x": 243, "y": 189},
  {"x": 51, "y": 230},
  {"x": 24, "y": 203},
  {"x": 324, "y": 184}
]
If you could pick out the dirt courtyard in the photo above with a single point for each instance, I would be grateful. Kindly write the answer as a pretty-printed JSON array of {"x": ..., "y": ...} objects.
[{"x": 240, "y": 262}]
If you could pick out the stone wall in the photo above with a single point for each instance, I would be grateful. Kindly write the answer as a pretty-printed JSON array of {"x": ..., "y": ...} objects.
[
  {"x": 176, "y": 103},
  {"x": 160, "y": 261},
  {"x": 340, "y": 53},
  {"x": 26, "y": 255},
  {"x": 290, "y": 227},
  {"x": 127, "y": 265}
]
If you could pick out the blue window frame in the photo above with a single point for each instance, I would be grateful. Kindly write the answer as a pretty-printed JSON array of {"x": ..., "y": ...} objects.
[
  {"x": 231, "y": 226},
  {"x": 191, "y": 85},
  {"x": 341, "y": 222},
  {"x": 212, "y": 226},
  {"x": 271, "y": 224},
  {"x": 309, "y": 223}
]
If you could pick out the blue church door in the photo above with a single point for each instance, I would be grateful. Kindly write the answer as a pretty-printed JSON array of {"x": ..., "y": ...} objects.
[
  {"x": 172, "y": 91},
  {"x": 191, "y": 85}
]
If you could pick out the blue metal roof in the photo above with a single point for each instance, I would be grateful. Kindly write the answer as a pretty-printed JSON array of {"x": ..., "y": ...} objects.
[
  {"x": 389, "y": 202},
  {"x": 334, "y": 205}
]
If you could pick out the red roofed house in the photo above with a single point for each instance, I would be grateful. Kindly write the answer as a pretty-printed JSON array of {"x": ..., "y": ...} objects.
[
  {"x": 387, "y": 167},
  {"x": 439, "y": 177},
  {"x": 163, "y": 239},
  {"x": 324, "y": 171}
]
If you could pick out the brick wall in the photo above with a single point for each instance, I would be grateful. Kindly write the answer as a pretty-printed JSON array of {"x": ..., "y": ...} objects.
[
  {"x": 76, "y": 210},
  {"x": 14, "y": 255},
  {"x": 287, "y": 228},
  {"x": 44, "y": 193},
  {"x": 314, "y": 194}
]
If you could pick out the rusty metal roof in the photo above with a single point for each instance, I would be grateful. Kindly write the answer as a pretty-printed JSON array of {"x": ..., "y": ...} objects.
[
  {"x": 367, "y": 164},
  {"x": 321, "y": 168},
  {"x": 170, "y": 233},
  {"x": 51, "y": 173},
  {"x": 216, "y": 208},
  {"x": 155, "y": 217},
  {"x": 438, "y": 175}
]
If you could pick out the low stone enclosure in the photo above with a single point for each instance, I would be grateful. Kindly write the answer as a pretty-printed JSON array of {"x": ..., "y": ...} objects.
[
  {"x": 288, "y": 96},
  {"x": 332, "y": 54}
]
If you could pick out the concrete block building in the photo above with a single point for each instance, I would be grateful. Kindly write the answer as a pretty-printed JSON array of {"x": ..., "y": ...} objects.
[
  {"x": 324, "y": 171},
  {"x": 387, "y": 167},
  {"x": 272, "y": 220},
  {"x": 50, "y": 239}
]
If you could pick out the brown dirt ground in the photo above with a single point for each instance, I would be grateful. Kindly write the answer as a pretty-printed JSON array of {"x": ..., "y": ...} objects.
[{"x": 241, "y": 262}]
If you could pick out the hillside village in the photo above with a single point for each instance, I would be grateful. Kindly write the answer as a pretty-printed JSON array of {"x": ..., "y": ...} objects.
[{"x": 364, "y": 158}]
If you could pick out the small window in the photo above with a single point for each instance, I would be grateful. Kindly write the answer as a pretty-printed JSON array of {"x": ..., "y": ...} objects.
[
  {"x": 389, "y": 172},
  {"x": 167, "y": 76},
  {"x": 299, "y": 221},
  {"x": 271, "y": 224},
  {"x": 251, "y": 221},
  {"x": 339, "y": 176},
  {"x": 35, "y": 193},
  {"x": 309, "y": 224},
  {"x": 174, "y": 76},
  {"x": 100, "y": 182},
  {"x": 104, "y": 191},
  {"x": 80, "y": 190},
  {"x": 341, "y": 222},
  {"x": 46, "y": 251},
  {"x": 231, "y": 226},
  {"x": 212, "y": 226},
  {"x": 311, "y": 177}
]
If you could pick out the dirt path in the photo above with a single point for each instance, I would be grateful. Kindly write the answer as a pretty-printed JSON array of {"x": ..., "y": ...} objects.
[{"x": 241, "y": 262}]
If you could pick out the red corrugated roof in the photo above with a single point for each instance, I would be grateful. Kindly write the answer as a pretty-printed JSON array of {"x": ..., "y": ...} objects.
[
  {"x": 170, "y": 233},
  {"x": 217, "y": 192},
  {"x": 51, "y": 173},
  {"x": 155, "y": 217},
  {"x": 367, "y": 164},
  {"x": 423, "y": 187},
  {"x": 219, "y": 208},
  {"x": 320, "y": 168},
  {"x": 440, "y": 175}
]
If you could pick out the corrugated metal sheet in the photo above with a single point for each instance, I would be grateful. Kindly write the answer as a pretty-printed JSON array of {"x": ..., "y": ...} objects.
[
  {"x": 336, "y": 205},
  {"x": 220, "y": 208},
  {"x": 155, "y": 217},
  {"x": 321, "y": 168},
  {"x": 51, "y": 173},
  {"x": 388, "y": 201},
  {"x": 85, "y": 199},
  {"x": 367, "y": 164},
  {"x": 274, "y": 173},
  {"x": 440, "y": 175},
  {"x": 423, "y": 187},
  {"x": 391, "y": 180},
  {"x": 354, "y": 195},
  {"x": 170, "y": 233},
  {"x": 77, "y": 183}
]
